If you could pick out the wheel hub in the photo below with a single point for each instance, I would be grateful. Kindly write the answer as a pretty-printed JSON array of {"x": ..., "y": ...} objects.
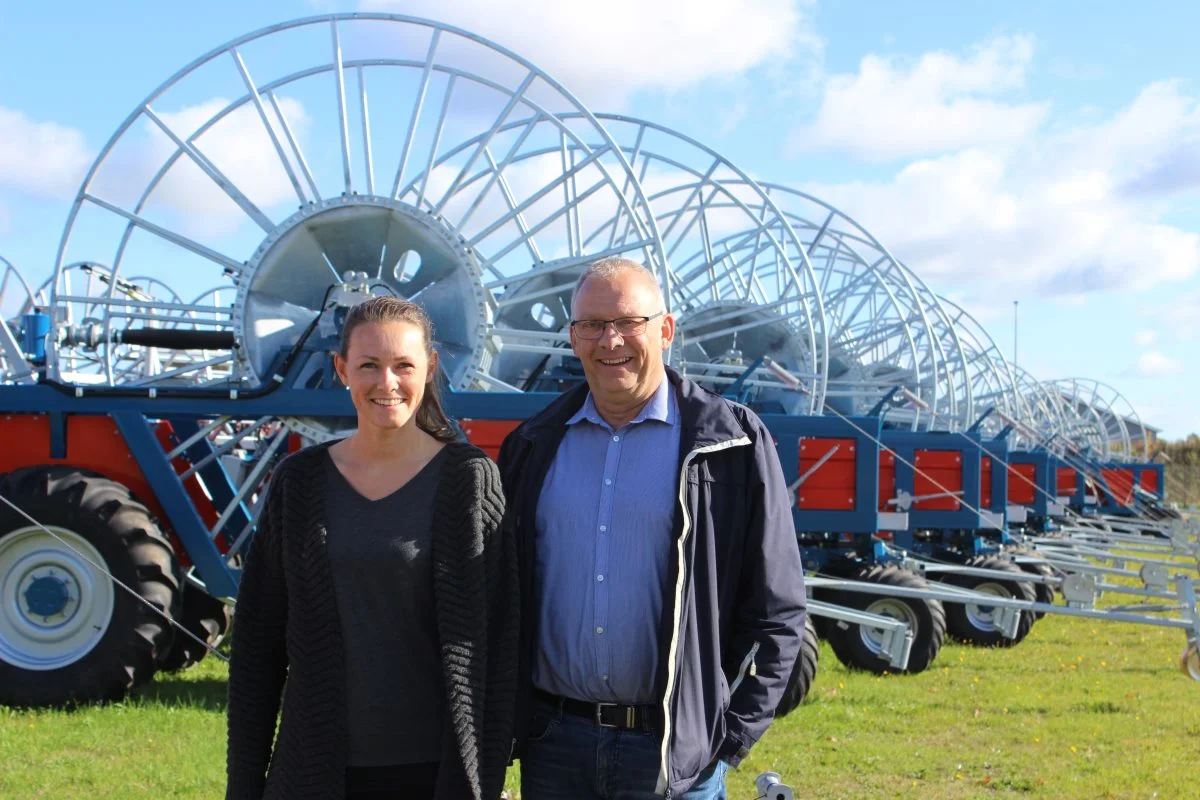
[
  {"x": 891, "y": 607},
  {"x": 47, "y": 595},
  {"x": 984, "y": 617}
]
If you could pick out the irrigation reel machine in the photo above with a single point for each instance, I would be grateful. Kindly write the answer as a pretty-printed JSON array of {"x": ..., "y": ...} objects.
[{"x": 181, "y": 347}]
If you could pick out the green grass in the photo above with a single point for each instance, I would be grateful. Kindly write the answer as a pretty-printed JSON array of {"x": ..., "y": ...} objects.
[{"x": 1080, "y": 709}]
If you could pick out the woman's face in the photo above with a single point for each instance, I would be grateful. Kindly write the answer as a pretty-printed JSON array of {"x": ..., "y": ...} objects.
[{"x": 387, "y": 370}]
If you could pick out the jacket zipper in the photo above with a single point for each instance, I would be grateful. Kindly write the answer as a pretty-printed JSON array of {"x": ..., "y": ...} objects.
[
  {"x": 746, "y": 662},
  {"x": 664, "y": 773}
]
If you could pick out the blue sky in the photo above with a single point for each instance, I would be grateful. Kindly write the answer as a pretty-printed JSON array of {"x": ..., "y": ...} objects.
[{"x": 1041, "y": 152}]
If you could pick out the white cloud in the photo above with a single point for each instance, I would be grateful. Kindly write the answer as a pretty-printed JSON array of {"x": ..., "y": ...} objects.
[
  {"x": 1153, "y": 364},
  {"x": 890, "y": 110},
  {"x": 610, "y": 51},
  {"x": 1049, "y": 214},
  {"x": 238, "y": 146},
  {"x": 40, "y": 158},
  {"x": 1144, "y": 338}
]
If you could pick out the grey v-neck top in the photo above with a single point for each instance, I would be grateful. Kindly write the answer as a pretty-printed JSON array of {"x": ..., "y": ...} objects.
[{"x": 379, "y": 555}]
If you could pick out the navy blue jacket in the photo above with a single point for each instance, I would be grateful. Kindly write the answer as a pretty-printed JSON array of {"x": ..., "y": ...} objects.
[{"x": 733, "y": 614}]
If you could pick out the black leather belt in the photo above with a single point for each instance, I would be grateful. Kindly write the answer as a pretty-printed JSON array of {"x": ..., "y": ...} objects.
[{"x": 604, "y": 715}]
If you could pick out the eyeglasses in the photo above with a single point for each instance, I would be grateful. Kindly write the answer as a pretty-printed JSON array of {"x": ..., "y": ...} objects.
[{"x": 625, "y": 326}]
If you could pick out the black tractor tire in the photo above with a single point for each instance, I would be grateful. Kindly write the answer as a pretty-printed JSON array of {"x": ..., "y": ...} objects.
[
  {"x": 803, "y": 673},
  {"x": 134, "y": 550},
  {"x": 206, "y": 618},
  {"x": 969, "y": 623},
  {"x": 1043, "y": 592},
  {"x": 854, "y": 647}
]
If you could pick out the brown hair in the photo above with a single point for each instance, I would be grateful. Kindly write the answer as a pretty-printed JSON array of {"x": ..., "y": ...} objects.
[{"x": 431, "y": 417}]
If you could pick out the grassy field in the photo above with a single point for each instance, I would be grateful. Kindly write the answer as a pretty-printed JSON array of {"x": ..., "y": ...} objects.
[{"x": 1080, "y": 709}]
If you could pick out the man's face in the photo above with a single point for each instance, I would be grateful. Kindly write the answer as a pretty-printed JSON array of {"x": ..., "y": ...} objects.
[{"x": 622, "y": 369}]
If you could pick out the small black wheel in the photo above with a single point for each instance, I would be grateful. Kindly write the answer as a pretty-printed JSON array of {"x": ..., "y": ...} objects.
[
  {"x": 859, "y": 647},
  {"x": 68, "y": 633},
  {"x": 205, "y": 617},
  {"x": 803, "y": 673},
  {"x": 975, "y": 623}
]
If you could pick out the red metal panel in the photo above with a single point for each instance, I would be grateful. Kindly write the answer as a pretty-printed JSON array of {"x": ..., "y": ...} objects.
[
  {"x": 937, "y": 472},
  {"x": 985, "y": 481},
  {"x": 831, "y": 487},
  {"x": 1067, "y": 485},
  {"x": 1120, "y": 484},
  {"x": 887, "y": 479},
  {"x": 1022, "y": 484},
  {"x": 93, "y": 443},
  {"x": 1149, "y": 480},
  {"x": 488, "y": 434}
]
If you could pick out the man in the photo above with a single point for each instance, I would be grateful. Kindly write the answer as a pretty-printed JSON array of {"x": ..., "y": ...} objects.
[{"x": 663, "y": 599}]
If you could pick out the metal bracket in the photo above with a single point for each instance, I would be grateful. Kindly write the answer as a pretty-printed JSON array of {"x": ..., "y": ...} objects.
[
  {"x": 1155, "y": 576},
  {"x": 1080, "y": 590}
]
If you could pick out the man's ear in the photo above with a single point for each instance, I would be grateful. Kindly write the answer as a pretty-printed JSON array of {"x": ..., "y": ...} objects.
[{"x": 668, "y": 330}]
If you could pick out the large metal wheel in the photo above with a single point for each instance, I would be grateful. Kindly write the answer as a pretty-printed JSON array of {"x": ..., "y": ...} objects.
[
  {"x": 886, "y": 328},
  {"x": 427, "y": 191},
  {"x": 741, "y": 285},
  {"x": 1100, "y": 419},
  {"x": 988, "y": 374},
  {"x": 67, "y": 632}
]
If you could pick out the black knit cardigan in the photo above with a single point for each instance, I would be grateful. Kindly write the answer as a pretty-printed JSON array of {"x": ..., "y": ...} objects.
[{"x": 287, "y": 631}]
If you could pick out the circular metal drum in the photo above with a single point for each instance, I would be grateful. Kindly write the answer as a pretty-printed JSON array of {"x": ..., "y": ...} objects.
[
  {"x": 886, "y": 328},
  {"x": 991, "y": 380},
  {"x": 366, "y": 149},
  {"x": 1100, "y": 418},
  {"x": 740, "y": 285}
]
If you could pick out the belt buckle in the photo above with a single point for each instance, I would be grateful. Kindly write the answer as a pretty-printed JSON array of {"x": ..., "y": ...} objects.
[
  {"x": 630, "y": 716},
  {"x": 600, "y": 716}
]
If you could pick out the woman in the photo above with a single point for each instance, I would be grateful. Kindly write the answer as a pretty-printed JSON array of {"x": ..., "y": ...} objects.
[{"x": 381, "y": 587}]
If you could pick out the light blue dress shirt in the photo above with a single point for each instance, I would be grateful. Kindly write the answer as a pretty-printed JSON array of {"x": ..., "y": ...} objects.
[{"x": 605, "y": 518}]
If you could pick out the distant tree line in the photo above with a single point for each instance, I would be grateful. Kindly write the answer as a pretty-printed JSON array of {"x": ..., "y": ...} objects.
[{"x": 1182, "y": 459}]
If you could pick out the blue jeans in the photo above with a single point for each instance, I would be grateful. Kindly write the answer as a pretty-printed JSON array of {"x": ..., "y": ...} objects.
[{"x": 572, "y": 758}]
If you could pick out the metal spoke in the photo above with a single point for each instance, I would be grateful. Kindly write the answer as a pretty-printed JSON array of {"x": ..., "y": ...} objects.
[
  {"x": 366, "y": 131},
  {"x": 262, "y": 115},
  {"x": 343, "y": 123},
  {"x": 213, "y": 173},
  {"x": 230, "y": 264},
  {"x": 415, "y": 116},
  {"x": 287, "y": 131},
  {"x": 485, "y": 140}
]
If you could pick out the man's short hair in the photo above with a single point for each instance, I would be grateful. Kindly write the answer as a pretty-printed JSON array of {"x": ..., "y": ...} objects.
[{"x": 612, "y": 266}]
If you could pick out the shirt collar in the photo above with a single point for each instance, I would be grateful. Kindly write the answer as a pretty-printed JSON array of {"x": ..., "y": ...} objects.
[{"x": 661, "y": 407}]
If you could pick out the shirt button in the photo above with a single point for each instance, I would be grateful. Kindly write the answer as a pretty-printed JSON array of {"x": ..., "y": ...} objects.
[
  {"x": 616, "y": 438},
  {"x": 604, "y": 678},
  {"x": 600, "y": 629},
  {"x": 608, "y": 481},
  {"x": 600, "y": 579},
  {"x": 603, "y": 528}
]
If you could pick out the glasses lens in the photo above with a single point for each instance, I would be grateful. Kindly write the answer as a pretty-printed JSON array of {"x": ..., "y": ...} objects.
[
  {"x": 589, "y": 329},
  {"x": 630, "y": 326}
]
